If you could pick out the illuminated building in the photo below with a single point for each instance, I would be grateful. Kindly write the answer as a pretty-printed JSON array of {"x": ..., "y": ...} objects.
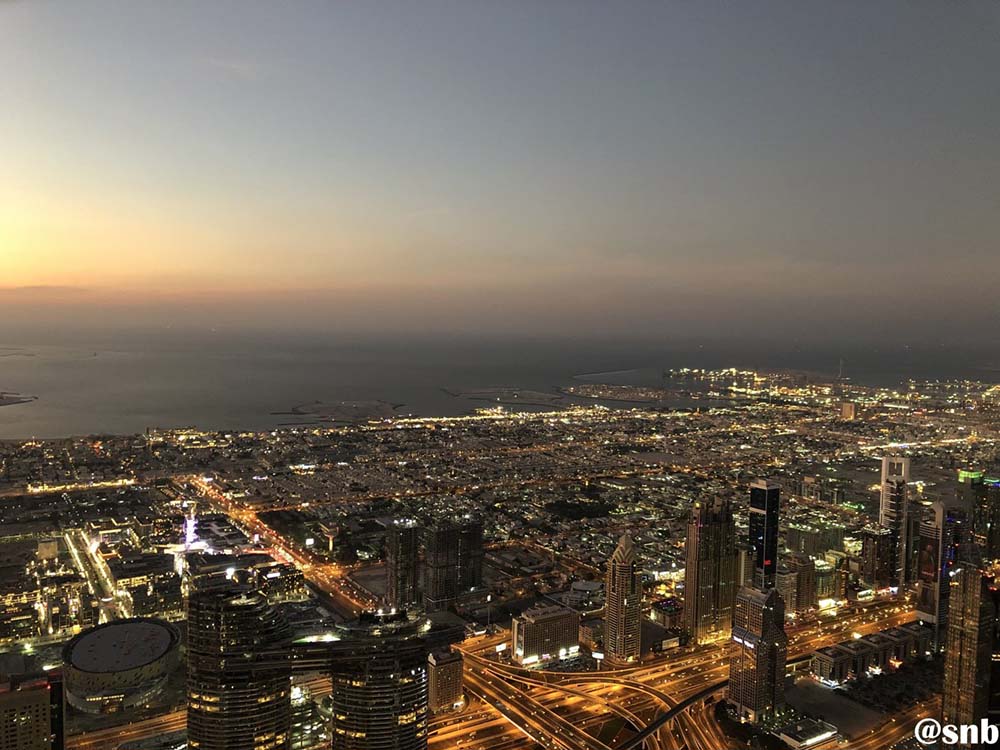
[
  {"x": 764, "y": 504},
  {"x": 805, "y": 583},
  {"x": 402, "y": 563},
  {"x": 234, "y": 703},
  {"x": 981, "y": 497},
  {"x": 103, "y": 677},
  {"x": 622, "y": 609},
  {"x": 444, "y": 681},
  {"x": 897, "y": 513},
  {"x": 757, "y": 667},
  {"x": 940, "y": 537},
  {"x": 787, "y": 582},
  {"x": 969, "y": 647},
  {"x": 544, "y": 634},
  {"x": 380, "y": 702},
  {"x": 710, "y": 571},
  {"x": 31, "y": 712}
]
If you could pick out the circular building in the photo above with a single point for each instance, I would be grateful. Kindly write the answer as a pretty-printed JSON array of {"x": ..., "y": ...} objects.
[{"x": 119, "y": 664}]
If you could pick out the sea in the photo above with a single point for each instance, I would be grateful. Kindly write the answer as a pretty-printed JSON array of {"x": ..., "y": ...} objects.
[{"x": 127, "y": 383}]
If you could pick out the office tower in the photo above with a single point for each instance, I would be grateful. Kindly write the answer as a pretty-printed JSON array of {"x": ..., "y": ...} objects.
[
  {"x": 786, "y": 582},
  {"x": 848, "y": 410},
  {"x": 380, "y": 702},
  {"x": 757, "y": 669},
  {"x": 470, "y": 554},
  {"x": 940, "y": 540},
  {"x": 234, "y": 703},
  {"x": 897, "y": 513},
  {"x": 623, "y": 600},
  {"x": 980, "y": 496},
  {"x": 826, "y": 580},
  {"x": 878, "y": 557},
  {"x": 402, "y": 563},
  {"x": 805, "y": 583},
  {"x": 444, "y": 681},
  {"x": 969, "y": 648},
  {"x": 453, "y": 562},
  {"x": 31, "y": 713},
  {"x": 308, "y": 727},
  {"x": 764, "y": 501},
  {"x": 544, "y": 634},
  {"x": 710, "y": 571},
  {"x": 744, "y": 566}
]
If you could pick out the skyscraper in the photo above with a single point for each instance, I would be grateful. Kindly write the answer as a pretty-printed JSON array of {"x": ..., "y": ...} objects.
[
  {"x": 940, "y": 538},
  {"x": 897, "y": 513},
  {"x": 710, "y": 571},
  {"x": 969, "y": 648},
  {"x": 764, "y": 502},
  {"x": 232, "y": 703},
  {"x": 402, "y": 562},
  {"x": 757, "y": 668},
  {"x": 380, "y": 702},
  {"x": 805, "y": 583},
  {"x": 878, "y": 557},
  {"x": 623, "y": 600},
  {"x": 453, "y": 562}
]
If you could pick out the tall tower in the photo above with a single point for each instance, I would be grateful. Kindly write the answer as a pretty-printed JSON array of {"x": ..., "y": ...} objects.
[
  {"x": 969, "y": 649},
  {"x": 232, "y": 705},
  {"x": 896, "y": 513},
  {"x": 757, "y": 667},
  {"x": 939, "y": 544},
  {"x": 710, "y": 571},
  {"x": 764, "y": 501},
  {"x": 453, "y": 562},
  {"x": 622, "y": 612},
  {"x": 470, "y": 554},
  {"x": 380, "y": 702},
  {"x": 402, "y": 563}
]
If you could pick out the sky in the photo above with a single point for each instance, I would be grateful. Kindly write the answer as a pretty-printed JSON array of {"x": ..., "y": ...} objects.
[{"x": 823, "y": 170}]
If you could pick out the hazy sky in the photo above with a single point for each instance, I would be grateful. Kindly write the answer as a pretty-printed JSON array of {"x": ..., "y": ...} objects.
[{"x": 825, "y": 169}]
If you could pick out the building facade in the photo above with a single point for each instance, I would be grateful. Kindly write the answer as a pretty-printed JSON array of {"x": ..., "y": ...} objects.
[
  {"x": 757, "y": 668},
  {"x": 623, "y": 605},
  {"x": 710, "y": 571},
  {"x": 765, "y": 497},
  {"x": 969, "y": 647},
  {"x": 544, "y": 634}
]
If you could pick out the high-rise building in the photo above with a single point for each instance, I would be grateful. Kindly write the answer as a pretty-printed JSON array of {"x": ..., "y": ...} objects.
[
  {"x": 980, "y": 496},
  {"x": 31, "y": 712},
  {"x": 444, "y": 680},
  {"x": 710, "y": 571},
  {"x": 623, "y": 603},
  {"x": 898, "y": 514},
  {"x": 233, "y": 704},
  {"x": 969, "y": 647},
  {"x": 805, "y": 583},
  {"x": 940, "y": 540},
  {"x": 764, "y": 505},
  {"x": 544, "y": 634},
  {"x": 786, "y": 582},
  {"x": 380, "y": 702},
  {"x": 453, "y": 562},
  {"x": 757, "y": 669},
  {"x": 826, "y": 581},
  {"x": 878, "y": 557},
  {"x": 402, "y": 563},
  {"x": 470, "y": 555}
]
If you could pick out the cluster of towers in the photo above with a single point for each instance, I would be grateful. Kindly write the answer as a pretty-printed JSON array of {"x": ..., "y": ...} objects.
[
  {"x": 450, "y": 568},
  {"x": 241, "y": 656},
  {"x": 730, "y": 593}
]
